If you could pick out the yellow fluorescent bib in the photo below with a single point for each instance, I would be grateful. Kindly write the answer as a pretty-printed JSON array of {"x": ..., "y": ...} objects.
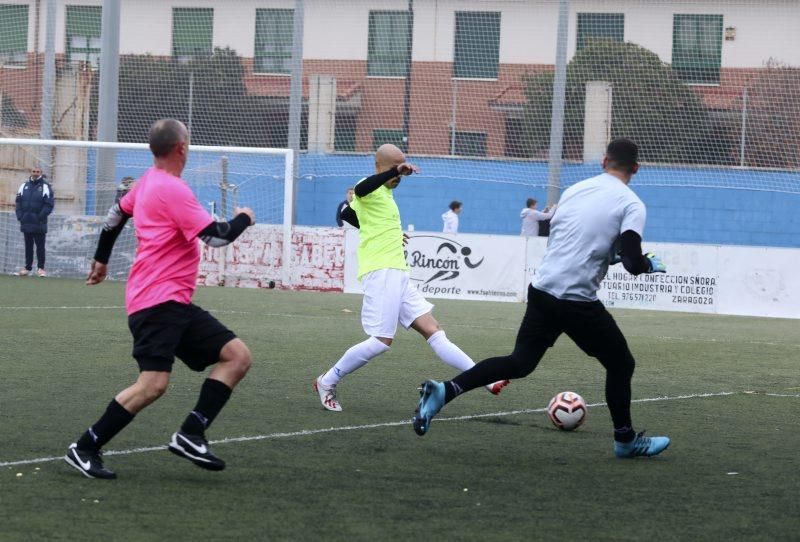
[{"x": 381, "y": 234}]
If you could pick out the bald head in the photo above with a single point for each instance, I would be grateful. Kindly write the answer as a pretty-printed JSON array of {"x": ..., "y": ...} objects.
[
  {"x": 388, "y": 156},
  {"x": 165, "y": 135}
]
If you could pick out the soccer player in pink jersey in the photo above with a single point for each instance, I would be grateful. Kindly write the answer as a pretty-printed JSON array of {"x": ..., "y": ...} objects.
[{"x": 168, "y": 221}]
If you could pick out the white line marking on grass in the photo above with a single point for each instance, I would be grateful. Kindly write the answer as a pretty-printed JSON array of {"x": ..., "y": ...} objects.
[
  {"x": 782, "y": 394},
  {"x": 712, "y": 340},
  {"x": 309, "y": 432}
]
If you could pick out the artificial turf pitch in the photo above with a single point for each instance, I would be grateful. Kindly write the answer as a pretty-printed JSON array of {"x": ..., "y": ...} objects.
[{"x": 731, "y": 471}]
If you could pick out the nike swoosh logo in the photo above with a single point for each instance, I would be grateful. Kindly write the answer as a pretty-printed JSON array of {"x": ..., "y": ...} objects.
[
  {"x": 199, "y": 449},
  {"x": 86, "y": 466}
]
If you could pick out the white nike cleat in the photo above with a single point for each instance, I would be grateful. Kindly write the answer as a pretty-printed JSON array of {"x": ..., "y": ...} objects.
[
  {"x": 497, "y": 387},
  {"x": 327, "y": 396}
]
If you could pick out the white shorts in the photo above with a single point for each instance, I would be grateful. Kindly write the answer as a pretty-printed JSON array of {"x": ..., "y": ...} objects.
[{"x": 389, "y": 298}]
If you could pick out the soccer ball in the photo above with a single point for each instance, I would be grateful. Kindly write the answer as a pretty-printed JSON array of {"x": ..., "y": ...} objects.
[{"x": 567, "y": 410}]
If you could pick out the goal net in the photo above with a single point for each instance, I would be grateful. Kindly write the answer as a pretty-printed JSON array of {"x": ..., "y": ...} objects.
[
  {"x": 709, "y": 90},
  {"x": 87, "y": 177}
]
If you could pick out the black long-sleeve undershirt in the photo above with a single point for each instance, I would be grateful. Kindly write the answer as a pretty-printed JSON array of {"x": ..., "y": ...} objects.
[
  {"x": 372, "y": 183},
  {"x": 219, "y": 234},
  {"x": 113, "y": 226},
  {"x": 350, "y": 216},
  {"x": 216, "y": 234},
  {"x": 631, "y": 251}
]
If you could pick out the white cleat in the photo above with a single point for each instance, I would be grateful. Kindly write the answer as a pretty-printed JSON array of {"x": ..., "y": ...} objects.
[
  {"x": 497, "y": 387},
  {"x": 327, "y": 396}
]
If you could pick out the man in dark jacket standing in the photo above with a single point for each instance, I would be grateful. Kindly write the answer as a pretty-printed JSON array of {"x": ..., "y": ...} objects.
[{"x": 35, "y": 201}]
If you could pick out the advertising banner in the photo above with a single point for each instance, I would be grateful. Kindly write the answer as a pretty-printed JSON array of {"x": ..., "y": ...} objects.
[
  {"x": 691, "y": 283},
  {"x": 478, "y": 267},
  {"x": 750, "y": 281}
]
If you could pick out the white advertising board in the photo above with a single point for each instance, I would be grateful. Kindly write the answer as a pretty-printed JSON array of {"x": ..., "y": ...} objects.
[
  {"x": 748, "y": 281},
  {"x": 759, "y": 281},
  {"x": 477, "y": 267},
  {"x": 691, "y": 283}
]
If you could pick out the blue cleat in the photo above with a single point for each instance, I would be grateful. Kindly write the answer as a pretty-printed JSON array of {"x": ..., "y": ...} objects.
[
  {"x": 641, "y": 445},
  {"x": 431, "y": 402}
]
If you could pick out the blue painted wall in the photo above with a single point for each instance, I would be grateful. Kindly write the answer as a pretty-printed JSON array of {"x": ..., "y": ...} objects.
[
  {"x": 693, "y": 205},
  {"x": 715, "y": 205}
]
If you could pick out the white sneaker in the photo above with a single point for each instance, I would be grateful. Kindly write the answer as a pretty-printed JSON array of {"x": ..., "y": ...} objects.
[
  {"x": 327, "y": 396},
  {"x": 497, "y": 387},
  {"x": 22, "y": 272}
]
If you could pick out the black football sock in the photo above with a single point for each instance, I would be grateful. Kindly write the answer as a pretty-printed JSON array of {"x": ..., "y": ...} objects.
[
  {"x": 213, "y": 396},
  {"x": 520, "y": 364},
  {"x": 488, "y": 371},
  {"x": 618, "y": 394},
  {"x": 113, "y": 420},
  {"x": 624, "y": 434}
]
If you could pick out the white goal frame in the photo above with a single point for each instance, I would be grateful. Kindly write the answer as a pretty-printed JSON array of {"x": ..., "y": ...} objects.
[{"x": 288, "y": 177}]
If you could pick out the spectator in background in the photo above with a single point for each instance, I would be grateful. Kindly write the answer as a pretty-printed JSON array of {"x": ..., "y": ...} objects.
[
  {"x": 342, "y": 206},
  {"x": 124, "y": 187},
  {"x": 532, "y": 219},
  {"x": 34, "y": 204},
  {"x": 450, "y": 218}
]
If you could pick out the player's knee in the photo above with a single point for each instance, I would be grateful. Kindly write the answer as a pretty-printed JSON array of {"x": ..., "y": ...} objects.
[
  {"x": 153, "y": 389},
  {"x": 238, "y": 355},
  {"x": 385, "y": 340},
  {"x": 629, "y": 364},
  {"x": 622, "y": 365}
]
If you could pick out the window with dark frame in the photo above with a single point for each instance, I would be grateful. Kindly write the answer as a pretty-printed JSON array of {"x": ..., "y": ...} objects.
[
  {"x": 387, "y": 48},
  {"x": 13, "y": 34},
  {"x": 476, "y": 53},
  {"x": 697, "y": 48},
  {"x": 381, "y": 136},
  {"x": 469, "y": 144},
  {"x": 597, "y": 26},
  {"x": 273, "y": 47},
  {"x": 83, "y": 27},
  {"x": 192, "y": 33}
]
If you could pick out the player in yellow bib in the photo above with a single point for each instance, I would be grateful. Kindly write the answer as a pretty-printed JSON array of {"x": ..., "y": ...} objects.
[{"x": 389, "y": 297}]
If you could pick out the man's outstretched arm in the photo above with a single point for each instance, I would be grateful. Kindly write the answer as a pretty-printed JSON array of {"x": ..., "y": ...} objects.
[
  {"x": 219, "y": 234},
  {"x": 112, "y": 227},
  {"x": 372, "y": 183}
]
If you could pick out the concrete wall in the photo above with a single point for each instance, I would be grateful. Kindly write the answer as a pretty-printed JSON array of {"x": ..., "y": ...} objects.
[{"x": 692, "y": 205}]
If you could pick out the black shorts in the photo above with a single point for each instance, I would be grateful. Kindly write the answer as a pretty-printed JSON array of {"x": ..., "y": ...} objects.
[
  {"x": 587, "y": 323},
  {"x": 174, "y": 329}
]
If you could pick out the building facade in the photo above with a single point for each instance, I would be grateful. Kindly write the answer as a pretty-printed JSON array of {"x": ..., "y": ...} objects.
[{"x": 468, "y": 57}]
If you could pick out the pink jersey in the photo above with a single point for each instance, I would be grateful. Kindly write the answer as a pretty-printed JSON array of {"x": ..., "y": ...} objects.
[{"x": 167, "y": 218}]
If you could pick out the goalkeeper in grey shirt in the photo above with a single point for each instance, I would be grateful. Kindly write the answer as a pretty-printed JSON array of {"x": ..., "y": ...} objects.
[{"x": 595, "y": 218}]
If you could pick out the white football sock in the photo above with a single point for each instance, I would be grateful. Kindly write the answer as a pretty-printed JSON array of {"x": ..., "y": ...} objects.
[
  {"x": 449, "y": 353},
  {"x": 356, "y": 356}
]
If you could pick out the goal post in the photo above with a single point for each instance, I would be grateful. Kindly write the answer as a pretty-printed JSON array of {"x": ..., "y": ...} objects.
[{"x": 220, "y": 177}]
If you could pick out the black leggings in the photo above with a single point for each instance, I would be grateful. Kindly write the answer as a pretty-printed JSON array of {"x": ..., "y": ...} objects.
[{"x": 588, "y": 324}]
